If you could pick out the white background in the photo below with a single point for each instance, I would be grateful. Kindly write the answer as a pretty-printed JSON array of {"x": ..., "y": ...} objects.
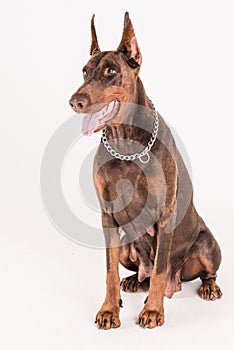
[{"x": 50, "y": 287}]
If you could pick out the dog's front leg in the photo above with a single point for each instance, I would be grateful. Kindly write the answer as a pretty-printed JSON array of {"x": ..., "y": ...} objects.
[
  {"x": 152, "y": 314},
  {"x": 108, "y": 315}
]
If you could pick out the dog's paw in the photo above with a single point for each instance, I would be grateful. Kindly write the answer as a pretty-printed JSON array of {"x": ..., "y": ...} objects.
[
  {"x": 130, "y": 284},
  {"x": 106, "y": 319},
  {"x": 210, "y": 291},
  {"x": 151, "y": 318}
]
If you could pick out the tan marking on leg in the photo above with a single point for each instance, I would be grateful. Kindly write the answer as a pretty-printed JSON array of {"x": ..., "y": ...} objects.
[
  {"x": 108, "y": 316},
  {"x": 152, "y": 314}
]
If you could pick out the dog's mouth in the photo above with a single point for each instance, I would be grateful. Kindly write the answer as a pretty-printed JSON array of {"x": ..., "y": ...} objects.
[{"x": 93, "y": 122}]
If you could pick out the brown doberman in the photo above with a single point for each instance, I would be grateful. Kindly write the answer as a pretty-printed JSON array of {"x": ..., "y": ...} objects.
[{"x": 149, "y": 196}]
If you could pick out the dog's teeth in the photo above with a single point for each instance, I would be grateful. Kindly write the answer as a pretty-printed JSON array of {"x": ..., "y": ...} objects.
[{"x": 111, "y": 106}]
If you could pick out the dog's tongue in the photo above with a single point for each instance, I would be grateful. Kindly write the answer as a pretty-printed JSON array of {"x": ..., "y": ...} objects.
[
  {"x": 89, "y": 124},
  {"x": 92, "y": 121}
]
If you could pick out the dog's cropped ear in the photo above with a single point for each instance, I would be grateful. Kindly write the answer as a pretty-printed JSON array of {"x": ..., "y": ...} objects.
[
  {"x": 128, "y": 45},
  {"x": 94, "y": 44}
]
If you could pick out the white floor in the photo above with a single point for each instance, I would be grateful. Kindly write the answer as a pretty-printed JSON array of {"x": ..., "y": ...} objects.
[{"x": 51, "y": 289}]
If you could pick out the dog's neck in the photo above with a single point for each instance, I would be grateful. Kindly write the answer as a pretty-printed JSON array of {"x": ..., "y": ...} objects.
[
  {"x": 140, "y": 95},
  {"x": 137, "y": 117}
]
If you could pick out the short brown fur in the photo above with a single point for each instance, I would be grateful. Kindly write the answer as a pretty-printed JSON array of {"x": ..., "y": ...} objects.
[{"x": 183, "y": 247}]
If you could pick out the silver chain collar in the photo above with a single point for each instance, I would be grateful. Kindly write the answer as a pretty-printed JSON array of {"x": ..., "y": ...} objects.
[{"x": 139, "y": 156}]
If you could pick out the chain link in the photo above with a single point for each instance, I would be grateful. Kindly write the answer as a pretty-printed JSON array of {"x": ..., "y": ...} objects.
[{"x": 139, "y": 156}]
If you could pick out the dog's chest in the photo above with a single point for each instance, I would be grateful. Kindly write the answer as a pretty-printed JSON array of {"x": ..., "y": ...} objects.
[{"x": 132, "y": 193}]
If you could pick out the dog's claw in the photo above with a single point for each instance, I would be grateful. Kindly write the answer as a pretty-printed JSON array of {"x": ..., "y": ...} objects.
[
  {"x": 107, "y": 319},
  {"x": 130, "y": 284},
  {"x": 151, "y": 318},
  {"x": 210, "y": 291}
]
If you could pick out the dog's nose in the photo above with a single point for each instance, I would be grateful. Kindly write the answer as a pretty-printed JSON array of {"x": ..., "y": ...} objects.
[{"x": 79, "y": 103}]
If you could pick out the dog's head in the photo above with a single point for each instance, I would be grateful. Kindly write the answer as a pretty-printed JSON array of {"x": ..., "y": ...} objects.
[{"x": 110, "y": 78}]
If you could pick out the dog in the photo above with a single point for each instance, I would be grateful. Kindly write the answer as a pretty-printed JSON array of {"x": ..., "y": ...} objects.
[{"x": 143, "y": 187}]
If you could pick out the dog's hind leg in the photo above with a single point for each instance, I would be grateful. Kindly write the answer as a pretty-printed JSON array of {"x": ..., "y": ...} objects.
[
  {"x": 131, "y": 283},
  {"x": 204, "y": 262}
]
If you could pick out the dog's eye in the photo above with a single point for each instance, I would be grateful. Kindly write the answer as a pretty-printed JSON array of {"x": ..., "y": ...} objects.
[
  {"x": 109, "y": 72},
  {"x": 85, "y": 73}
]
